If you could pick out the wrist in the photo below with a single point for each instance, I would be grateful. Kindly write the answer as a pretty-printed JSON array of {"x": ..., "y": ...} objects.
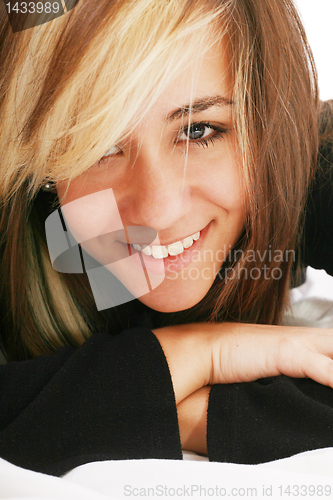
[{"x": 188, "y": 351}]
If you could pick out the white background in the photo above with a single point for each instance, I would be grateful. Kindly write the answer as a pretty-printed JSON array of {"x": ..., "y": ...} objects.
[{"x": 317, "y": 16}]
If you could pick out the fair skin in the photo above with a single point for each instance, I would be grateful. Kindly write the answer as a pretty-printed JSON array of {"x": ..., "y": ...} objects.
[
  {"x": 146, "y": 174},
  {"x": 147, "y": 178}
]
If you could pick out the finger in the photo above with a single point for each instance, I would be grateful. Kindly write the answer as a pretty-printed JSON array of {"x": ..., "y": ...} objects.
[
  {"x": 320, "y": 369},
  {"x": 311, "y": 364},
  {"x": 324, "y": 342}
]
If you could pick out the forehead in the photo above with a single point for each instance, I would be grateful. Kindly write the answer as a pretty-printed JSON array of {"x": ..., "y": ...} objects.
[{"x": 206, "y": 74}]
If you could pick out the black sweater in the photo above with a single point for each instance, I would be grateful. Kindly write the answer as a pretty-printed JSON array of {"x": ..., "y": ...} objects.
[{"x": 112, "y": 398}]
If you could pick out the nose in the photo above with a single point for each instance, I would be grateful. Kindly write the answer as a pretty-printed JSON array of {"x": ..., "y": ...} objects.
[{"x": 157, "y": 193}]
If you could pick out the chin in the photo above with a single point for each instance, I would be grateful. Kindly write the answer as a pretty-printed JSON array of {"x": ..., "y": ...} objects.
[{"x": 169, "y": 303}]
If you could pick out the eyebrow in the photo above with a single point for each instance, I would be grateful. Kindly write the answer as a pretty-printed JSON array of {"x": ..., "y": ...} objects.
[{"x": 199, "y": 105}]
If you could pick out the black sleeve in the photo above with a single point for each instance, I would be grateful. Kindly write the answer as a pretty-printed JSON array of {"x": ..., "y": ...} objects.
[
  {"x": 318, "y": 230},
  {"x": 269, "y": 419},
  {"x": 111, "y": 398}
]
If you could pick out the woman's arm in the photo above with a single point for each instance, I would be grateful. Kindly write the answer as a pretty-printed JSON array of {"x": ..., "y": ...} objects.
[
  {"x": 111, "y": 398},
  {"x": 192, "y": 420},
  {"x": 204, "y": 354},
  {"x": 268, "y": 419},
  {"x": 243, "y": 353}
]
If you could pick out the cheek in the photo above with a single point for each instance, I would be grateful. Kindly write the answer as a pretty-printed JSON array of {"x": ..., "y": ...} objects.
[
  {"x": 224, "y": 187},
  {"x": 90, "y": 215}
]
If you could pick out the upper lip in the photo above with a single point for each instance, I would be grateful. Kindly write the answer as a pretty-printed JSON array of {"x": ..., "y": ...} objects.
[
  {"x": 174, "y": 240},
  {"x": 179, "y": 239}
]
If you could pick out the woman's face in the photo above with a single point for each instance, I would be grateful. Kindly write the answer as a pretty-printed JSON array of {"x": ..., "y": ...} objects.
[{"x": 177, "y": 173}]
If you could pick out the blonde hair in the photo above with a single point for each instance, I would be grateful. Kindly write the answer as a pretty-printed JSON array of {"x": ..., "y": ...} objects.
[{"x": 73, "y": 86}]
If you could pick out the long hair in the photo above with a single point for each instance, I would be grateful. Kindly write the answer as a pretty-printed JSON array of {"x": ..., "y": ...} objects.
[{"x": 64, "y": 82}]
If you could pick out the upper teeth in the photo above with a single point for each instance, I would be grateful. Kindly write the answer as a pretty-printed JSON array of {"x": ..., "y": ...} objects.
[{"x": 160, "y": 252}]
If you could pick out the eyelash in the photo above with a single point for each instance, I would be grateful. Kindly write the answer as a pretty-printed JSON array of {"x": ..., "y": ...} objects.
[{"x": 220, "y": 133}]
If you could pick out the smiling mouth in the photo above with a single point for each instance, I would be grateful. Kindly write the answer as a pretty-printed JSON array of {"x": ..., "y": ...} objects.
[{"x": 161, "y": 252}]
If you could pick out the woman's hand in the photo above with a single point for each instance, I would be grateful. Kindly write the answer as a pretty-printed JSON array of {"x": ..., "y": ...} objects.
[
  {"x": 204, "y": 354},
  {"x": 243, "y": 353}
]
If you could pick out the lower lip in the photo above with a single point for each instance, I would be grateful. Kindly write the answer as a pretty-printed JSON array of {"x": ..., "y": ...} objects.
[{"x": 173, "y": 263}]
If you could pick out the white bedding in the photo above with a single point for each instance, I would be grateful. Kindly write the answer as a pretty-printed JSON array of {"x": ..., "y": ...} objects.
[
  {"x": 310, "y": 472},
  {"x": 307, "y": 475}
]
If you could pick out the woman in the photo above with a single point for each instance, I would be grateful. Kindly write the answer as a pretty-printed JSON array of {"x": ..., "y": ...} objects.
[{"x": 199, "y": 120}]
